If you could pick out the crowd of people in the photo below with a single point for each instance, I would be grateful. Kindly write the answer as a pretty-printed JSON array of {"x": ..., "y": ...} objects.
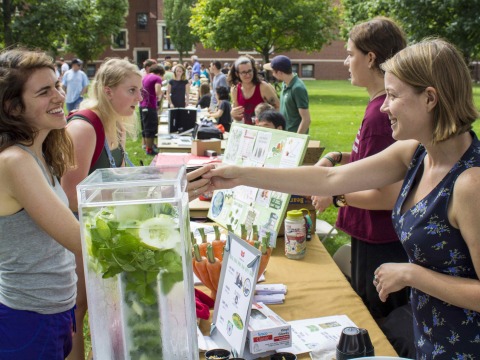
[{"x": 414, "y": 160}]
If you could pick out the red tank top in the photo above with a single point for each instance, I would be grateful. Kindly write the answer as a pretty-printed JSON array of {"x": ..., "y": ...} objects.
[{"x": 249, "y": 104}]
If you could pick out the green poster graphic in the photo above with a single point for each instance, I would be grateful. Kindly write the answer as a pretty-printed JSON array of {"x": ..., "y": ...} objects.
[{"x": 258, "y": 147}]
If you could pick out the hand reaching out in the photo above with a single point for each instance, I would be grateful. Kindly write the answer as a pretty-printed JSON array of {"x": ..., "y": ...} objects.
[{"x": 198, "y": 185}]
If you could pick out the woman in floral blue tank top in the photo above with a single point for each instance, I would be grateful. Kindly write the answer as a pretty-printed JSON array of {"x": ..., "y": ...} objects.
[{"x": 430, "y": 106}]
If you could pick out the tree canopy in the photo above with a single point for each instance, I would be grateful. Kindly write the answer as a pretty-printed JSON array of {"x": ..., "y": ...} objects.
[
  {"x": 92, "y": 28},
  {"x": 265, "y": 26},
  {"x": 458, "y": 21},
  {"x": 87, "y": 25},
  {"x": 177, "y": 17}
]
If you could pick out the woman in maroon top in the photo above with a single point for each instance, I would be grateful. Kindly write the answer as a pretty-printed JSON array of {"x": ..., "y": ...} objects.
[
  {"x": 248, "y": 90},
  {"x": 374, "y": 241}
]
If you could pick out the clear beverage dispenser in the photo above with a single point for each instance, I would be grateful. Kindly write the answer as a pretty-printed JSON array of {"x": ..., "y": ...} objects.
[{"x": 138, "y": 266}]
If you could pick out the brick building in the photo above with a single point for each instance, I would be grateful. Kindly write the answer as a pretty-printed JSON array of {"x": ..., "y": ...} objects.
[{"x": 145, "y": 36}]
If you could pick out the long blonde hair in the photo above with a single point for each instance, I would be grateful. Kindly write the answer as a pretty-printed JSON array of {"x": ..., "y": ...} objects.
[{"x": 110, "y": 74}]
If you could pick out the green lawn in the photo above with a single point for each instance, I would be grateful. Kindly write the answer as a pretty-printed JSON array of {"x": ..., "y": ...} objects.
[{"x": 336, "y": 108}]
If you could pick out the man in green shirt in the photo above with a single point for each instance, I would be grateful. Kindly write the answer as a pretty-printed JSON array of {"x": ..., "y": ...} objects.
[{"x": 294, "y": 97}]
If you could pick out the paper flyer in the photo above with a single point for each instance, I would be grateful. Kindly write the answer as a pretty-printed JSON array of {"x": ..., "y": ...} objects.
[{"x": 319, "y": 334}]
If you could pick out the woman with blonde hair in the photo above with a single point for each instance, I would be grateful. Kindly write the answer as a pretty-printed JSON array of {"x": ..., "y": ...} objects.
[
  {"x": 98, "y": 132},
  {"x": 430, "y": 108},
  {"x": 178, "y": 89},
  {"x": 108, "y": 114}
]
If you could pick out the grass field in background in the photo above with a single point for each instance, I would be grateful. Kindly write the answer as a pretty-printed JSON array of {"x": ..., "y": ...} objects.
[{"x": 337, "y": 109}]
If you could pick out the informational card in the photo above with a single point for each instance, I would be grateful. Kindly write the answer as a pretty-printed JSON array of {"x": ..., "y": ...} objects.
[
  {"x": 319, "y": 334},
  {"x": 257, "y": 147},
  {"x": 235, "y": 294}
]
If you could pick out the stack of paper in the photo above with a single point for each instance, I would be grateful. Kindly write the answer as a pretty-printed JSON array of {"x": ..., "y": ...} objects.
[{"x": 270, "y": 293}]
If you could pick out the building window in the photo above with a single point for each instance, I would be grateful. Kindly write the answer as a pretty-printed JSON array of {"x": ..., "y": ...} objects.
[
  {"x": 295, "y": 68},
  {"x": 119, "y": 41},
  {"x": 142, "y": 21},
  {"x": 167, "y": 44},
  {"x": 307, "y": 70},
  {"x": 91, "y": 70}
]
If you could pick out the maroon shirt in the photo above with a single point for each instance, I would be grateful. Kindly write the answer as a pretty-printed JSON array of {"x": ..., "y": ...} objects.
[
  {"x": 374, "y": 135},
  {"x": 250, "y": 103}
]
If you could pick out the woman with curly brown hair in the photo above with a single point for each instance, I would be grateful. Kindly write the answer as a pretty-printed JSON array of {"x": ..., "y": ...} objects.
[
  {"x": 39, "y": 236},
  {"x": 247, "y": 90}
]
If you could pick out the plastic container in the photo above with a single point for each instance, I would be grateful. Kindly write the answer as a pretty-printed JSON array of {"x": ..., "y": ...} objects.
[
  {"x": 136, "y": 249},
  {"x": 295, "y": 235},
  {"x": 351, "y": 344}
]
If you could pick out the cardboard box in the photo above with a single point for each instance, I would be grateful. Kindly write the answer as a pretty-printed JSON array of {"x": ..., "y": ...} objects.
[
  {"x": 267, "y": 331},
  {"x": 199, "y": 146}
]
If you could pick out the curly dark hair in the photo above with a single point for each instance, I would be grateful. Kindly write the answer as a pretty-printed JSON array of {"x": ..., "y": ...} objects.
[
  {"x": 233, "y": 75},
  {"x": 16, "y": 67}
]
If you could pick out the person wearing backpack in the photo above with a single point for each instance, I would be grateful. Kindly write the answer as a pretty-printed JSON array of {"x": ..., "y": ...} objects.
[{"x": 98, "y": 132}]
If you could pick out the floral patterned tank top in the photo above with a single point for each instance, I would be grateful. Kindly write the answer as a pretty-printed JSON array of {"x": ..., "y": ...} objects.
[{"x": 442, "y": 331}]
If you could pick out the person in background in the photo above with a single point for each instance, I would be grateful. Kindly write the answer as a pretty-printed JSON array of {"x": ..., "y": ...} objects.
[
  {"x": 146, "y": 66},
  {"x": 431, "y": 110},
  {"x": 58, "y": 69},
  {"x": 178, "y": 89},
  {"x": 272, "y": 119},
  {"x": 294, "y": 97},
  {"x": 204, "y": 71},
  {"x": 39, "y": 236},
  {"x": 63, "y": 67},
  {"x": 204, "y": 96},
  {"x": 222, "y": 114},
  {"x": 218, "y": 79},
  {"x": 75, "y": 83},
  {"x": 226, "y": 68},
  {"x": 169, "y": 75},
  {"x": 373, "y": 238},
  {"x": 167, "y": 59},
  {"x": 247, "y": 91},
  {"x": 196, "y": 80},
  {"x": 261, "y": 108},
  {"x": 153, "y": 96},
  {"x": 188, "y": 70},
  {"x": 196, "y": 67}
]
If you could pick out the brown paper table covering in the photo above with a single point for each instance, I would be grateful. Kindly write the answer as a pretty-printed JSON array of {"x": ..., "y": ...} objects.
[{"x": 315, "y": 288}]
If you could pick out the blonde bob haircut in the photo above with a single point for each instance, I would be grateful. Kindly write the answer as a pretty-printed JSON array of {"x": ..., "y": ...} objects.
[
  {"x": 111, "y": 74},
  {"x": 436, "y": 63}
]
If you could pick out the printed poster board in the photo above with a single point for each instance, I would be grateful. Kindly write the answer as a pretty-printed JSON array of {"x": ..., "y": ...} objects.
[{"x": 259, "y": 147}]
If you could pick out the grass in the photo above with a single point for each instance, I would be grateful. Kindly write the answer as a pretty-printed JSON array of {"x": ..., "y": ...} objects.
[{"x": 336, "y": 109}]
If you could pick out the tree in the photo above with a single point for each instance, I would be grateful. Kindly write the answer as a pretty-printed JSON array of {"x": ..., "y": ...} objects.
[
  {"x": 31, "y": 24},
  {"x": 45, "y": 24},
  {"x": 458, "y": 21},
  {"x": 92, "y": 24},
  {"x": 264, "y": 25},
  {"x": 455, "y": 20},
  {"x": 177, "y": 17}
]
